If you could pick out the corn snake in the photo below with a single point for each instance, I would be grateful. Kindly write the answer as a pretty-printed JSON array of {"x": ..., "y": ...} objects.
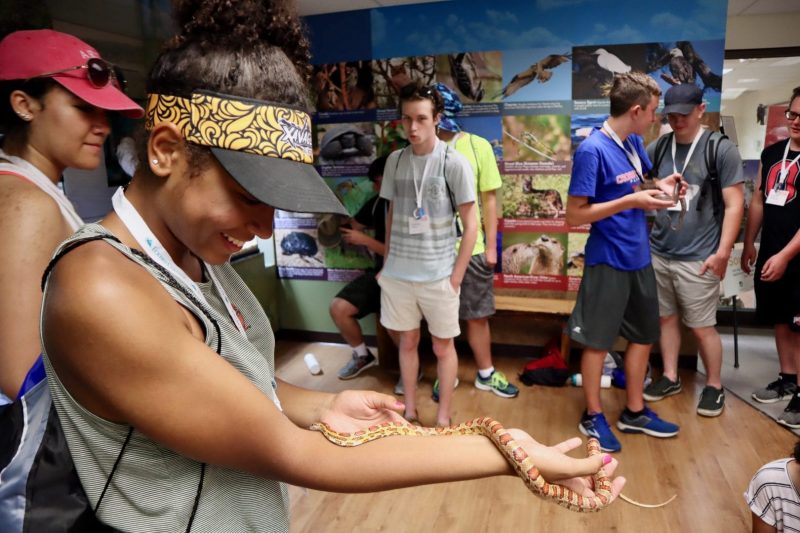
[{"x": 500, "y": 437}]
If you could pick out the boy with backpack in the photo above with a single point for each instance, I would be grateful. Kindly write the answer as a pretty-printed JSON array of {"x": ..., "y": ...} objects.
[{"x": 690, "y": 260}]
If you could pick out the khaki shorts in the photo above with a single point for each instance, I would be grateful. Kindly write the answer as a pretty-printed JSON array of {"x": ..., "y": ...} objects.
[
  {"x": 681, "y": 290},
  {"x": 405, "y": 303}
]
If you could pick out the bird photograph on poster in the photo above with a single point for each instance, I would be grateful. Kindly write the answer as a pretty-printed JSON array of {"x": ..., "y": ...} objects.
[
  {"x": 536, "y": 138},
  {"x": 536, "y": 75},
  {"x": 595, "y": 66},
  {"x": 476, "y": 76},
  {"x": 669, "y": 63}
]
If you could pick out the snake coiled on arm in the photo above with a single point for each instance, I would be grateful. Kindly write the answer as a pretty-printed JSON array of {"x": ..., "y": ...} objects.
[{"x": 511, "y": 450}]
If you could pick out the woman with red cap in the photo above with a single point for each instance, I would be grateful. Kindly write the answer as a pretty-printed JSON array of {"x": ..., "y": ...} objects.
[{"x": 55, "y": 91}]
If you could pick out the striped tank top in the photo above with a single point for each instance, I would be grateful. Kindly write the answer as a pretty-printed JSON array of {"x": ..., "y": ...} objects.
[{"x": 154, "y": 488}]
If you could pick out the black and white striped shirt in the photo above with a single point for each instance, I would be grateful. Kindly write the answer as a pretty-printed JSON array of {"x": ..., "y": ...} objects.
[{"x": 773, "y": 497}]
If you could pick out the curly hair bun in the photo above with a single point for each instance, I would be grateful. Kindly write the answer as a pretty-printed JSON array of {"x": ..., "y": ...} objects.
[{"x": 242, "y": 25}]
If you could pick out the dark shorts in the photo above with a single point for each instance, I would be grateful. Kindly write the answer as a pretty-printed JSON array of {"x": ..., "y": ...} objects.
[
  {"x": 778, "y": 302},
  {"x": 364, "y": 293},
  {"x": 615, "y": 303},
  {"x": 477, "y": 290}
]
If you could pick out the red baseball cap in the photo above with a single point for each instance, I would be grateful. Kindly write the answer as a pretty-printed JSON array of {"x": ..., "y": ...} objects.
[{"x": 28, "y": 54}]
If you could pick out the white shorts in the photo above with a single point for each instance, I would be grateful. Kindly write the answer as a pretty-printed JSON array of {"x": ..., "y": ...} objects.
[{"x": 405, "y": 303}]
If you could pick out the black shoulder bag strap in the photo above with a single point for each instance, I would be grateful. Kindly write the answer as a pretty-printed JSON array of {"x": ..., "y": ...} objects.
[
  {"x": 175, "y": 285},
  {"x": 713, "y": 182},
  {"x": 661, "y": 148}
]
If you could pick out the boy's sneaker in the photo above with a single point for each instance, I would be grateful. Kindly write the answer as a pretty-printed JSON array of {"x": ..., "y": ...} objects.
[
  {"x": 661, "y": 388},
  {"x": 357, "y": 364},
  {"x": 776, "y": 391},
  {"x": 498, "y": 384},
  {"x": 712, "y": 401},
  {"x": 791, "y": 415},
  {"x": 596, "y": 426},
  {"x": 435, "y": 395},
  {"x": 647, "y": 423},
  {"x": 399, "y": 389}
]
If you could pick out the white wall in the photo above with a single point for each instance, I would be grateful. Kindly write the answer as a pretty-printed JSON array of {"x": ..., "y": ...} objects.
[
  {"x": 763, "y": 31},
  {"x": 750, "y": 132}
]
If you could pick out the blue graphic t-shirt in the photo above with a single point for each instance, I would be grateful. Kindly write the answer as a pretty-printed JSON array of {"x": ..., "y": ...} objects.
[{"x": 602, "y": 172}]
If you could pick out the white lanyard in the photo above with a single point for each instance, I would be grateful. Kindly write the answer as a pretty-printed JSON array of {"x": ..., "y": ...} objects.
[
  {"x": 37, "y": 177},
  {"x": 633, "y": 157},
  {"x": 688, "y": 154},
  {"x": 419, "y": 212},
  {"x": 784, "y": 167},
  {"x": 153, "y": 248}
]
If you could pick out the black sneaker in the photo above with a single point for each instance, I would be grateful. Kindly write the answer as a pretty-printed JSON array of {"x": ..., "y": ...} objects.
[
  {"x": 776, "y": 391},
  {"x": 791, "y": 415},
  {"x": 712, "y": 402},
  {"x": 661, "y": 388}
]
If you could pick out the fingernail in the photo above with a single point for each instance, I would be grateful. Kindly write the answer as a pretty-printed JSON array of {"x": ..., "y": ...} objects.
[{"x": 606, "y": 459}]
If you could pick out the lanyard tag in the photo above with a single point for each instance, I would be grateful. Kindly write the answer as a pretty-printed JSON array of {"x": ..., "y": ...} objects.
[
  {"x": 419, "y": 213},
  {"x": 419, "y": 225},
  {"x": 777, "y": 197}
]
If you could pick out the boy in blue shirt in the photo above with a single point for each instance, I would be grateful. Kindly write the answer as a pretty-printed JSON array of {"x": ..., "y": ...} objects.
[{"x": 618, "y": 292}]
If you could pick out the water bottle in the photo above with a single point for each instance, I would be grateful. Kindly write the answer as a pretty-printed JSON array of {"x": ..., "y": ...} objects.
[
  {"x": 576, "y": 380},
  {"x": 312, "y": 363}
]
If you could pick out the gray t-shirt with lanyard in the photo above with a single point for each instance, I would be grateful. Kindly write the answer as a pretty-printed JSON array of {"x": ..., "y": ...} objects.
[
  {"x": 429, "y": 255},
  {"x": 699, "y": 236}
]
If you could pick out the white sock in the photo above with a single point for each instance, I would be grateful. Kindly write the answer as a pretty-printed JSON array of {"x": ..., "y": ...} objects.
[
  {"x": 361, "y": 350},
  {"x": 485, "y": 373}
]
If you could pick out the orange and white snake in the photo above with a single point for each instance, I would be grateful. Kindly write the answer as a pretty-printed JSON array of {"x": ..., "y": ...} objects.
[{"x": 513, "y": 452}]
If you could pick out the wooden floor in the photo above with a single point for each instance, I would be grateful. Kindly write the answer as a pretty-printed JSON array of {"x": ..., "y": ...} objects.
[{"x": 708, "y": 465}]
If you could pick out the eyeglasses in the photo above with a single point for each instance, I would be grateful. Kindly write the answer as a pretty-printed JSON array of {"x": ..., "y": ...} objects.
[
  {"x": 791, "y": 115},
  {"x": 98, "y": 72}
]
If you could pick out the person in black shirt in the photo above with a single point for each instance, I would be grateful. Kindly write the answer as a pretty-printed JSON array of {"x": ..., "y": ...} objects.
[
  {"x": 362, "y": 296},
  {"x": 775, "y": 210}
]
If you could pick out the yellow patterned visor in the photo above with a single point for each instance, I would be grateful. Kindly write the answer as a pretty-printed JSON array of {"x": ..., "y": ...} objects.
[{"x": 266, "y": 147}]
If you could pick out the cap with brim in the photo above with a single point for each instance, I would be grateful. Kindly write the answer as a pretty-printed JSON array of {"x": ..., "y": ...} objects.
[
  {"x": 682, "y": 99},
  {"x": 109, "y": 97},
  {"x": 264, "y": 146},
  {"x": 32, "y": 53}
]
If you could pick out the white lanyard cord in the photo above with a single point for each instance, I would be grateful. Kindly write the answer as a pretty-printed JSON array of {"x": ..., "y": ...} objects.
[
  {"x": 633, "y": 157},
  {"x": 153, "y": 248},
  {"x": 784, "y": 167},
  {"x": 46, "y": 185},
  {"x": 688, "y": 154},
  {"x": 419, "y": 189}
]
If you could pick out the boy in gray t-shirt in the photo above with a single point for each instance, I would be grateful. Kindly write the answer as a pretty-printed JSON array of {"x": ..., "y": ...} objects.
[
  {"x": 425, "y": 183},
  {"x": 690, "y": 260}
]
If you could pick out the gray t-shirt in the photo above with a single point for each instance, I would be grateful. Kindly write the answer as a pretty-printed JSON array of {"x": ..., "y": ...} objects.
[
  {"x": 427, "y": 256},
  {"x": 699, "y": 236}
]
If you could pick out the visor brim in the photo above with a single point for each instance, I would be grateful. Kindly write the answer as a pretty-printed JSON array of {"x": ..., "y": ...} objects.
[{"x": 282, "y": 183}]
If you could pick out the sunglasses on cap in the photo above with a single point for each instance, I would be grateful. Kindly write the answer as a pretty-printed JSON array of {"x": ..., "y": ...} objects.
[
  {"x": 413, "y": 89},
  {"x": 99, "y": 73},
  {"x": 791, "y": 115}
]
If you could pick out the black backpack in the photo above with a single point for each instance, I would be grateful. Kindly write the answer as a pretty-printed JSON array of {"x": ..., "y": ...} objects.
[{"x": 712, "y": 184}]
